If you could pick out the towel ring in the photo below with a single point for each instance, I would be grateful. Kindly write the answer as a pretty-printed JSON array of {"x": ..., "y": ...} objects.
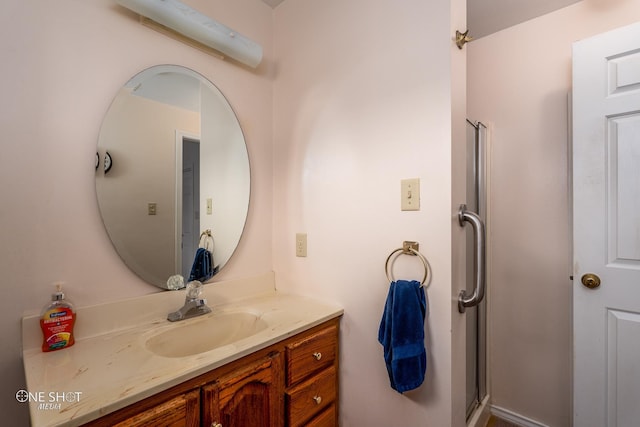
[
  {"x": 409, "y": 248},
  {"x": 206, "y": 241}
]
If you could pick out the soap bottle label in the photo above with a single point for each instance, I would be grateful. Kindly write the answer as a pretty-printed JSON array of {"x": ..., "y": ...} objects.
[{"x": 57, "y": 327}]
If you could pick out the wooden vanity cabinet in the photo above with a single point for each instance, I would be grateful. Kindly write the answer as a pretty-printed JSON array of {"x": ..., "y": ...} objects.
[{"x": 291, "y": 383}]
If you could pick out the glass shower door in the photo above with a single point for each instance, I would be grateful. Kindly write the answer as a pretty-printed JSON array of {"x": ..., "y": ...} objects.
[{"x": 475, "y": 315}]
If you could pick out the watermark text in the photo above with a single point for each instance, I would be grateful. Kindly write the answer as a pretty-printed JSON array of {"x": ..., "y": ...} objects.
[{"x": 48, "y": 400}]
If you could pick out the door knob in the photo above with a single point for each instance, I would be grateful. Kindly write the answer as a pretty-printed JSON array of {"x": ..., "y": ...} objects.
[{"x": 590, "y": 280}]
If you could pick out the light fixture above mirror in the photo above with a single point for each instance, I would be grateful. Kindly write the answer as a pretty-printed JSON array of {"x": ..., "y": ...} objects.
[{"x": 177, "y": 17}]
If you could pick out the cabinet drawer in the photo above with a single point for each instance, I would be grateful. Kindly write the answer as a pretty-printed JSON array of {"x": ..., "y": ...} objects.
[
  {"x": 311, "y": 354},
  {"x": 326, "y": 419},
  {"x": 310, "y": 397}
]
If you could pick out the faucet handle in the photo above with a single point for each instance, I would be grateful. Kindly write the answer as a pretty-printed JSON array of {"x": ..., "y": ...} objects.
[{"x": 194, "y": 288}]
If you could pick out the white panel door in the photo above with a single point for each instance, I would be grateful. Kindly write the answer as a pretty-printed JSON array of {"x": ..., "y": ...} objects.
[{"x": 606, "y": 226}]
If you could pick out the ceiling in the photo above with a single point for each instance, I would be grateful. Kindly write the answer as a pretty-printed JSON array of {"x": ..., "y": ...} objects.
[{"x": 486, "y": 17}]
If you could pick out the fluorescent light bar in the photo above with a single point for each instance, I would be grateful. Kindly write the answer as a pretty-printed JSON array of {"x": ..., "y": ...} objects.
[{"x": 196, "y": 26}]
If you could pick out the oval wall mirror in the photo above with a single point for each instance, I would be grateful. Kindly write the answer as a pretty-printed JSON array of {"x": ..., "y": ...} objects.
[{"x": 171, "y": 167}]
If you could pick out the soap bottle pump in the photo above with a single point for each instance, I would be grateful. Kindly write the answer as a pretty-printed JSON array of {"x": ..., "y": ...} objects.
[{"x": 57, "y": 320}]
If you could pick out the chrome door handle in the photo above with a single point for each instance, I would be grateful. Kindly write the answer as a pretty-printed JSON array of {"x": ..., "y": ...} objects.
[{"x": 476, "y": 297}]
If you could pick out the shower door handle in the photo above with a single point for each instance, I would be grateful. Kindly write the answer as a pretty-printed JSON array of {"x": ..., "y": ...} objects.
[{"x": 476, "y": 297}]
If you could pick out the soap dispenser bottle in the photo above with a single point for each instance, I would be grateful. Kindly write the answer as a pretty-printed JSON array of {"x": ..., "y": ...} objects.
[{"x": 57, "y": 320}]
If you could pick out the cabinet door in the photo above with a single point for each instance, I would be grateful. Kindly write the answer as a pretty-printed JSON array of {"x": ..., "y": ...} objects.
[
  {"x": 180, "y": 411},
  {"x": 250, "y": 395}
]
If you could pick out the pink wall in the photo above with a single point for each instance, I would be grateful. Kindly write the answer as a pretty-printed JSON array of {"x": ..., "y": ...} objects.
[
  {"x": 363, "y": 99},
  {"x": 63, "y": 62},
  {"x": 518, "y": 83}
]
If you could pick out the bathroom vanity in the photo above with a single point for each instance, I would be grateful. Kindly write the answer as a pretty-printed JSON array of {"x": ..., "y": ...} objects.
[
  {"x": 269, "y": 359},
  {"x": 293, "y": 380}
]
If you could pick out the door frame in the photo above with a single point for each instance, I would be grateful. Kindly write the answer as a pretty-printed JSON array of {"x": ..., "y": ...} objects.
[
  {"x": 482, "y": 412},
  {"x": 180, "y": 136}
]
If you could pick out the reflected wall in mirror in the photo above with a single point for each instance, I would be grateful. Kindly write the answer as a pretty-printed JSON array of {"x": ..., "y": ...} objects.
[{"x": 178, "y": 167}]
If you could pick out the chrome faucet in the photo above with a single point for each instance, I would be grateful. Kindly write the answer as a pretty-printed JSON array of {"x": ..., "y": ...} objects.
[{"x": 193, "y": 305}]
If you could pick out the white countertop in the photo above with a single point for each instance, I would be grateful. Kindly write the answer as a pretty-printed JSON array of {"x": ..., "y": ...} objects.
[{"x": 109, "y": 367}]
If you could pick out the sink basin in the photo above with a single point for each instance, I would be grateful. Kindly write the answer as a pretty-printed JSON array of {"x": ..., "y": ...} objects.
[{"x": 195, "y": 336}]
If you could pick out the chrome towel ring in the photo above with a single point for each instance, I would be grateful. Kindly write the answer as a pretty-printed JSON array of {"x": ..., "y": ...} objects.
[{"x": 409, "y": 248}]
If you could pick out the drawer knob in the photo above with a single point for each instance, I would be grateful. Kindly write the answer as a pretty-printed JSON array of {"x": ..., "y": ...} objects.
[
  {"x": 215, "y": 424},
  {"x": 317, "y": 355},
  {"x": 316, "y": 399}
]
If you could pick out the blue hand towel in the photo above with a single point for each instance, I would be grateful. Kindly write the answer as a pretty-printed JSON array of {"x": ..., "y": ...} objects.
[
  {"x": 202, "y": 268},
  {"x": 401, "y": 334}
]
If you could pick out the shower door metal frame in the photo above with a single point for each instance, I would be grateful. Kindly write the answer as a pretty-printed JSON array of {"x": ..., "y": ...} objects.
[{"x": 479, "y": 197}]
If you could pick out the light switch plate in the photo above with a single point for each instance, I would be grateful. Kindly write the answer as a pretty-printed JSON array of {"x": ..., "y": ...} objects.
[
  {"x": 152, "y": 208},
  {"x": 410, "y": 194},
  {"x": 209, "y": 206}
]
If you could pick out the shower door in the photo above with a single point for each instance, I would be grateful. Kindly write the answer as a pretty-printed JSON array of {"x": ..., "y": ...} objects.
[{"x": 475, "y": 315}]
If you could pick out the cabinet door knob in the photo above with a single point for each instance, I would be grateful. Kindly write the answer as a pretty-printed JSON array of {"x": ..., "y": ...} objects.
[
  {"x": 316, "y": 399},
  {"x": 317, "y": 355},
  {"x": 215, "y": 424}
]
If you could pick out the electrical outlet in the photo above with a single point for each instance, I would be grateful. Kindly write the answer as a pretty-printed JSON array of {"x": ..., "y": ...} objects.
[
  {"x": 301, "y": 244},
  {"x": 410, "y": 194}
]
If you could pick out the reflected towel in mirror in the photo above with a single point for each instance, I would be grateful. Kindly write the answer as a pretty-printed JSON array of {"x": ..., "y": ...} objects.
[{"x": 202, "y": 268}]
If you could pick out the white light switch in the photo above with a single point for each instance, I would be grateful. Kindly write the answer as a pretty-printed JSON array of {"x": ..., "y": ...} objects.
[
  {"x": 410, "y": 194},
  {"x": 209, "y": 206},
  {"x": 152, "y": 208}
]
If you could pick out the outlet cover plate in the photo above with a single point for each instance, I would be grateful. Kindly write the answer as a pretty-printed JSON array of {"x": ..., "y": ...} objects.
[{"x": 301, "y": 244}]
